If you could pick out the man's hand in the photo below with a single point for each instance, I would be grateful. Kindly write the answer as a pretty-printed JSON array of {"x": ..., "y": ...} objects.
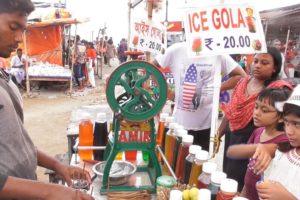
[
  {"x": 271, "y": 190},
  {"x": 72, "y": 172},
  {"x": 61, "y": 192}
]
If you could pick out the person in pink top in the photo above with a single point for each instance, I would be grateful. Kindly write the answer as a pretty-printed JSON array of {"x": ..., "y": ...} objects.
[{"x": 270, "y": 121}]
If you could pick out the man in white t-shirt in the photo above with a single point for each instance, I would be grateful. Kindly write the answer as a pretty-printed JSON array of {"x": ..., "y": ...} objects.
[{"x": 194, "y": 79}]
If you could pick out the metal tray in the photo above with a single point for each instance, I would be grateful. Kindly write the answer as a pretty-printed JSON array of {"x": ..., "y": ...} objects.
[{"x": 120, "y": 171}]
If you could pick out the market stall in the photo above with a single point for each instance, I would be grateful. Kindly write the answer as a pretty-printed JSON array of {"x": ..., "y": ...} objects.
[{"x": 43, "y": 45}]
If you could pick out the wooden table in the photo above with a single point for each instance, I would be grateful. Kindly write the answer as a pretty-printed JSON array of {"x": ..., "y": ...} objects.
[{"x": 52, "y": 78}]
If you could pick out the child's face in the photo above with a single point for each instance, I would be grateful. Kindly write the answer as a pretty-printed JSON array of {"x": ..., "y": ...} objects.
[
  {"x": 264, "y": 114},
  {"x": 292, "y": 129}
]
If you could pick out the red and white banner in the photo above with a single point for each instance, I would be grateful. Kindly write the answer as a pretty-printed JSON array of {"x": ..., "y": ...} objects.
[{"x": 231, "y": 29}]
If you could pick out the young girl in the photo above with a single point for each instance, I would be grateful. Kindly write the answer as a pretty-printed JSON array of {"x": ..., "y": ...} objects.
[
  {"x": 270, "y": 121},
  {"x": 237, "y": 125},
  {"x": 283, "y": 174}
]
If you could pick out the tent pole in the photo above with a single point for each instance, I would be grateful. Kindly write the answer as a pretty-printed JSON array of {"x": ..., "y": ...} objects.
[
  {"x": 266, "y": 28},
  {"x": 287, "y": 41},
  {"x": 73, "y": 60},
  {"x": 26, "y": 63},
  {"x": 129, "y": 20}
]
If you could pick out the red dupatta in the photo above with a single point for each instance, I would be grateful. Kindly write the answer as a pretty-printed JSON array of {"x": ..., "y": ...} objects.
[{"x": 239, "y": 110}]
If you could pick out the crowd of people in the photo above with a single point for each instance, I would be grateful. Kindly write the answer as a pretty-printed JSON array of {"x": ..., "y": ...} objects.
[
  {"x": 84, "y": 54},
  {"x": 252, "y": 116}
]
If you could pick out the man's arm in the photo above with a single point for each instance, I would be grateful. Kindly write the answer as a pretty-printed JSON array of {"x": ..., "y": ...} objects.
[
  {"x": 29, "y": 189},
  {"x": 46, "y": 161},
  {"x": 235, "y": 75}
]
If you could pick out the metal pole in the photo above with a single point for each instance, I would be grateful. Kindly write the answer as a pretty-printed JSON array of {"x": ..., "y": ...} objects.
[{"x": 166, "y": 161}]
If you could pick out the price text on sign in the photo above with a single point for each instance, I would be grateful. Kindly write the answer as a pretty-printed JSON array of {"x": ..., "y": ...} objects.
[
  {"x": 148, "y": 37},
  {"x": 224, "y": 29}
]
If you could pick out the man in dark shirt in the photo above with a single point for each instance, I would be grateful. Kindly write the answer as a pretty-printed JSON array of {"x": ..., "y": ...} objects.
[{"x": 19, "y": 156}]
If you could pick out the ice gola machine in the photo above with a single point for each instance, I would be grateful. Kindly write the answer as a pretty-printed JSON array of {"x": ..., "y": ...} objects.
[{"x": 136, "y": 91}]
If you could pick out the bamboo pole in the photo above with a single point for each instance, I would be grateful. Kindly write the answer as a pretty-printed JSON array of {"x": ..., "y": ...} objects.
[{"x": 73, "y": 59}]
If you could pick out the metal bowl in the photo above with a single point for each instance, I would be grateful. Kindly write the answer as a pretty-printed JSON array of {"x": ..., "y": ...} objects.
[{"x": 120, "y": 171}]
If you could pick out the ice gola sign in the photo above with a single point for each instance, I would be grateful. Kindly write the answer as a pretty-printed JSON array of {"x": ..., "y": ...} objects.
[{"x": 224, "y": 29}]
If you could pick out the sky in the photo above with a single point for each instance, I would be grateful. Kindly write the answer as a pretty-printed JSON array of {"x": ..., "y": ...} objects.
[{"x": 113, "y": 14}]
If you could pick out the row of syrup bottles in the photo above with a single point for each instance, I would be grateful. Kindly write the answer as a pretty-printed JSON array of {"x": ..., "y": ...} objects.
[{"x": 93, "y": 134}]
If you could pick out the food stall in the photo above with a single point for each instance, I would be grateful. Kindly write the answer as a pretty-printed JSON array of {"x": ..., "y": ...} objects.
[{"x": 43, "y": 45}]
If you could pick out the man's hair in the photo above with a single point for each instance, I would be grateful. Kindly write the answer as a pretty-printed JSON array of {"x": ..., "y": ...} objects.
[
  {"x": 19, "y": 49},
  {"x": 23, "y": 6}
]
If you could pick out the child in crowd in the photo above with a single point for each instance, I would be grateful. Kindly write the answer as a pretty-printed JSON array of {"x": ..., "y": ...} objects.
[
  {"x": 284, "y": 171},
  {"x": 282, "y": 175},
  {"x": 270, "y": 121}
]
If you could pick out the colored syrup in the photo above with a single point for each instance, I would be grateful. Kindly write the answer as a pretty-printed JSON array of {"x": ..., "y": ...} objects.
[
  {"x": 86, "y": 139},
  {"x": 187, "y": 171},
  {"x": 196, "y": 171},
  {"x": 178, "y": 141},
  {"x": 180, "y": 164},
  {"x": 130, "y": 155},
  {"x": 100, "y": 139},
  {"x": 225, "y": 196}
]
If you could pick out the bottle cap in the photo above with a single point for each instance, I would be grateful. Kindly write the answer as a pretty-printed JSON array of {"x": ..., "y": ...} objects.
[
  {"x": 188, "y": 139},
  {"x": 104, "y": 108},
  {"x": 85, "y": 116},
  {"x": 229, "y": 185},
  {"x": 172, "y": 125},
  {"x": 217, "y": 177},
  {"x": 204, "y": 194},
  {"x": 201, "y": 155},
  {"x": 176, "y": 195},
  {"x": 178, "y": 126},
  {"x": 181, "y": 132},
  {"x": 170, "y": 119},
  {"x": 166, "y": 181},
  {"x": 101, "y": 117},
  {"x": 194, "y": 148},
  {"x": 209, "y": 167},
  {"x": 239, "y": 198},
  {"x": 163, "y": 117}
]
